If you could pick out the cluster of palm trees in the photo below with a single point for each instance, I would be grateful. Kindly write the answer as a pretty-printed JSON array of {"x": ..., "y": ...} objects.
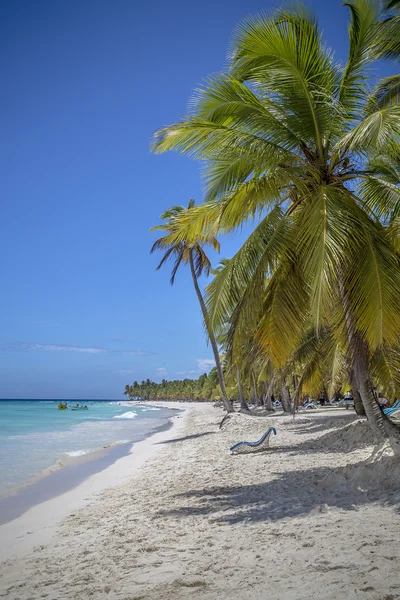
[
  {"x": 206, "y": 387},
  {"x": 308, "y": 150}
]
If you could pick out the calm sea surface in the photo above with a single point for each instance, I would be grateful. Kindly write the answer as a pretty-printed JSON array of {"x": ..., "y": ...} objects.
[{"x": 36, "y": 437}]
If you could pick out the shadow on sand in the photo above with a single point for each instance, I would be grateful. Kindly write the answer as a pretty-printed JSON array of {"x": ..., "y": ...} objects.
[
  {"x": 187, "y": 437},
  {"x": 295, "y": 494},
  {"x": 322, "y": 423}
]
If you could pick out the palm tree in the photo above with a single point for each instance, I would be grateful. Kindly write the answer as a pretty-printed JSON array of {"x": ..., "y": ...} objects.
[
  {"x": 284, "y": 135},
  {"x": 192, "y": 253},
  {"x": 388, "y": 47}
]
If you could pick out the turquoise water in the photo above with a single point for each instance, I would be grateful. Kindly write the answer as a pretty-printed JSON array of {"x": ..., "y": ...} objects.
[{"x": 36, "y": 437}]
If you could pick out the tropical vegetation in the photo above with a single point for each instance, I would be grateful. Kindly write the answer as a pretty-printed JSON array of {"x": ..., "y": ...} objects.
[
  {"x": 206, "y": 387},
  {"x": 192, "y": 253},
  {"x": 308, "y": 150}
]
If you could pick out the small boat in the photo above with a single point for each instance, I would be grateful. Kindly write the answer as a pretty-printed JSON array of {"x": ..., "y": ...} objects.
[
  {"x": 62, "y": 406},
  {"x": 77, "y": 407}
]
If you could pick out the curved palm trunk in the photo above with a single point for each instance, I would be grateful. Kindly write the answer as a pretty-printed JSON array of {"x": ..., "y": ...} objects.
[
  {"x": 227, "y": 405},
  {"x": 382, "y": 427},
  {"x": 358, "y": 405}
]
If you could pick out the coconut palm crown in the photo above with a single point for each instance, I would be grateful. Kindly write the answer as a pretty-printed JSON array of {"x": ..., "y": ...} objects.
[
  {"x": 285, "y": 136},
  {"x": 191, "y": 253}
]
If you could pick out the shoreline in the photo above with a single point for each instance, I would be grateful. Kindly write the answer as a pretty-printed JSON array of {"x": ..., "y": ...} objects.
[
  {"x": 65, "y": 477},
  {"x": 40, "y": 519},
  {"x": 73, "y": 460}
]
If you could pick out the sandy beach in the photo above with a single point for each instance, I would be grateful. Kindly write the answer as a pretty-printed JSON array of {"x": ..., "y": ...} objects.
[{"x": 316, "y": 516}]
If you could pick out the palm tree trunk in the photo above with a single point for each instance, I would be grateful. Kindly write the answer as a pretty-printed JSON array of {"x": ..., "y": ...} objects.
[
  {"x": 296, "y": 393},
  {"x": 382, "y": 427},
  {"x": 285, "y": 398},
  {"x": 358, "y": 405},
  {"x": 243, "y": 404},
  {"x": 264, "y": 395},
  {"x": 227, "y": 405},
  {"x": 255, "y": 395},
  {"x": 270, "y": 390}
]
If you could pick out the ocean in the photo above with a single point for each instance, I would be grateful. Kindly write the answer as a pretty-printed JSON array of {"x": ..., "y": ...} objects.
[{"x": 36, "y": 438}]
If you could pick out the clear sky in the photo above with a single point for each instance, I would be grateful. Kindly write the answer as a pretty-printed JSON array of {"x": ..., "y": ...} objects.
[{"x": 84, "y": 85}]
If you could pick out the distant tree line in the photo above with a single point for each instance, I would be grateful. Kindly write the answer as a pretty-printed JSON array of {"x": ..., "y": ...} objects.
[{"x": 206, "y": 387}]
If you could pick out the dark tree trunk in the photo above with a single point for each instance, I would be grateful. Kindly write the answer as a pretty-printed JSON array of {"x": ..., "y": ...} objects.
[
  {"x": 264, "y": 395},
  {"x": 270, "y": 390},
  {"x": 295, "y": 399},
  {"x": 255, "y": 395},
  {"x": 358, "y": 405},
  {"x": 285, "y": 398},
  {"x": 227, "y": 405},
  {"x": 381, "y": 425},
  {"x": 243, "y": 404}
]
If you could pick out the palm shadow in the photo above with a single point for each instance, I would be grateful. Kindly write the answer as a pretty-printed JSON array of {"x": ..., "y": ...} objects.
[
  {"x": 322, "y": 423},
  {"x": 291, "y": 494},
  {"x": 187, "y": 437}
]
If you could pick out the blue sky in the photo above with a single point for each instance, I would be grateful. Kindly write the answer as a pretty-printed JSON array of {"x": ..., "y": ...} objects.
[{"x": 84, "y": 85}]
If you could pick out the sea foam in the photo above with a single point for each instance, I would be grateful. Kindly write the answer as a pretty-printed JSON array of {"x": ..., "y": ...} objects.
[
  {"x": 74, "y": 453},
  {"x": 127, "y": 415}
]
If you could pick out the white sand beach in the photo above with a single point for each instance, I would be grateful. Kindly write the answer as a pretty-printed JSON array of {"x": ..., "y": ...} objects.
[{"x": 314, "y": 517}]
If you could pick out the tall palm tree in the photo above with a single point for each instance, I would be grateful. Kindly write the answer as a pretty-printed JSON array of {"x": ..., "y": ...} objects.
[
  {"x": 192, "y": 253},
  {"x": 284, "y": 135}
]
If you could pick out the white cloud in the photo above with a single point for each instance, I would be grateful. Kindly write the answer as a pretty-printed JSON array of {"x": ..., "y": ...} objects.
[
  {"x": 205, "y": 364},
  {"x": 162, "y": 372},
  {"x": 28, "y": 347},
  {"x": 63, "y": 348}
]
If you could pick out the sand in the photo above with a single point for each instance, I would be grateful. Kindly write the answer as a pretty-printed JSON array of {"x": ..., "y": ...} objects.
[{"x": 315, "y": 517}]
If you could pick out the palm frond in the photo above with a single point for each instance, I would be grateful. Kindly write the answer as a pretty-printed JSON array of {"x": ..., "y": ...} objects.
[
  {"x": 373, "y": 286},
  {"x": 385, "y": 369},
  {"x": 362, "y": 38},
  {"x": 381, "y": 197},
  {"x": 284, "y": 54},
  {"x": 285, "y": 313},
  {"x": 385, "y": 93},
  {"x": 375, "y": 132},
  {"x": 243, "y": 277}
]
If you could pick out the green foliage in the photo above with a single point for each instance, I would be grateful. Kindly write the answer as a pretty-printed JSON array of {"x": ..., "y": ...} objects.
[
  {"x": 285, "y": 135},
  {"x": 309, "y": 150},
  {"x": 206, "y": 387}
]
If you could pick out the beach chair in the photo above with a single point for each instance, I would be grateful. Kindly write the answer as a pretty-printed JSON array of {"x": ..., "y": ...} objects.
[
  {"x": 392, "y": 409},
  {"x": 252, "y": 447}
]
